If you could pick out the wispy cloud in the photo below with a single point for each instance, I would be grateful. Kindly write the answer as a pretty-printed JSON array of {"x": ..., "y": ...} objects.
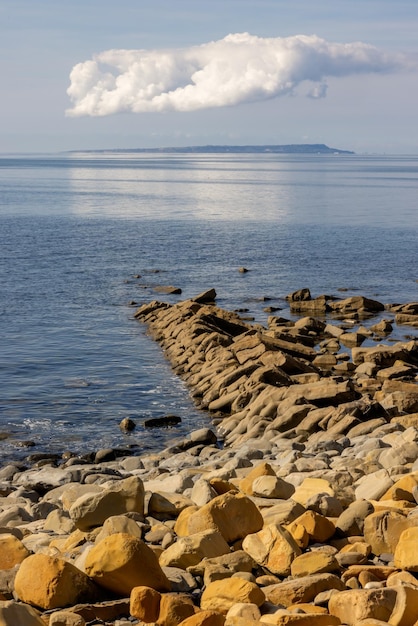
[{"x": 237, "y": 69}]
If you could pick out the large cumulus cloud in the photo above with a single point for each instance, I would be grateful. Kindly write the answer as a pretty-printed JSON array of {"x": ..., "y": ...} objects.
[{"x": 239, "y": 68}]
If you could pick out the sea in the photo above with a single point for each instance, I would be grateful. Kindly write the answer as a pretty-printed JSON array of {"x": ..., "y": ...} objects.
[{"x": 85, "y": 238}]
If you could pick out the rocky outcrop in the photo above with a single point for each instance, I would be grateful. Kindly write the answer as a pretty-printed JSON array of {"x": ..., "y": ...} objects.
[{"x": 292, "y": 380}]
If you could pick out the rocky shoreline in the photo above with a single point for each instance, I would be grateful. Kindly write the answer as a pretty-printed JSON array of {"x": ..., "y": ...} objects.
[{"x": 299, "y": 507}]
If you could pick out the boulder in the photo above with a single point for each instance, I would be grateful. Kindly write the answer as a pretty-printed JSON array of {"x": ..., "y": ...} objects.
[
  {"x": 121, "y": 562},
  {"x": 119, "y": 524},
  {"x": 283, "y": 513},
  {"x": 405, "y": 610},
  {"x": 382, "y": 530},
  {"x": 402, "y": 489},
  {"x": 221, "y": 597},
  {"x": 406, "y": 551},
  {"x": 223, "y": 566},
  {"x": 303, "y": 589},
  {"x": 90, "y": 511},
  {"x": 174, "y": 608},
  {"x": 233, "y": 515},
  {"x": 164, "y": 505},
  {"x": 273, "y": 548},
  {"x": 145, "y": 604},
  {"x": 351, "y": 521},
  {"x": 245, "y": 610},
  {"x": 263, "y": 469},
  {"x": 16, "y": 614},
  {"x": 205, "y": 618},
  {"x": 12, "y": 551},
  {"x": 318, "y": 527},
  {"x": 293, "y": 618},
  {"x": 311, "y": 487},
  {"x": 190, "y": 550},
  {"x": 50, "y": 582},
  {"x": 272, "y": 487},
  {"x": 66, "y": 618},
  {"x": 359, "y": 604},
  {"x": 314, "y": 562}
]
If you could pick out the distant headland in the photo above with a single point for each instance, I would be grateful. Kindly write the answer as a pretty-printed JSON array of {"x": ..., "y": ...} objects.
[{"x": 303, "y": 148}]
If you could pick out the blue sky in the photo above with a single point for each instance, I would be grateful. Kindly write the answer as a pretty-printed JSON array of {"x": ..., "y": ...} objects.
[{"x": 366, "y": 104}]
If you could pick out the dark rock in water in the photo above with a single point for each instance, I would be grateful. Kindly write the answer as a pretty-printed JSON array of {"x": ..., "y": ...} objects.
[
  {"x": 243, "y": 270},
  {"x": 300, "y": 294},
  {"x": 205, "y": 296},
  {"x": 127, "y": 425},
  {"x": 272, "y": 309},
  {"x": 44, "y": 456},
  {"x": 162, "y": 422},
  {"x": 133, "y": 303},
  {"x": 106, "y": 454},
  {"x": 168, "y": 289},
  {"x": 24, "y": 444}
]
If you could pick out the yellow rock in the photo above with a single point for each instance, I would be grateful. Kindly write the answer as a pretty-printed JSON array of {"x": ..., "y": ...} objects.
[
  {"x": 357, "y": 604},
  {"x": 263, "y": 469},
  {"x": 401, "y": 578},
  {"x": 48, "y": 582},
  {"x": 15, "y": 614},
  {"x": 91, "y": 510},
  {"x": 12, "y": 551},
  {"x": 399, "y": 506},
  {"x": 273, "y": 548},
  {"x": 204, "y": 618},
  {"x": 144, "y": 604},
  {"x": 121, "y": 562},
  {"x": 283, "y": 513},
  {"x": 303, "y": 589},
  {"x": 232, "y": 514},
  {"x": 311, "y": 487},
  {"x": 307, "y": 607},
  {"x": 299, "y": 534},
  {"x": 290, "y": 618},
  {"x": 406, "y": 552},
  {"x": 221, "y": 595},
  {"x": 318, "y": 527},
  {"x": 181, "y": 527},
  {"x": 361, "y": 547},
  {"x": 66, "y": 618},
  {"x": 221, "y": 485},
  {"x": 380, "y": 572},
  {"x": 370, "y": 621},
  {"x": 74, "y": 540},
  {"x": 382, "y": 530},
  {"x": 405, "y": 611},
  {"x": 174, "y": 608},
  {"x": 236, "y": 620},
  {"x": 119, "y": 524},
  {"x": 315, "y": 562},
  {"x": 188, "y": 551},
  {"x": 245, "y": 610},
  {"x": 402, "y": 489}
]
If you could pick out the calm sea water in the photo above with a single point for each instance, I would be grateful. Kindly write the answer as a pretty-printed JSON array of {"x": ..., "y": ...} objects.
[{"x": 77, "y": 231}]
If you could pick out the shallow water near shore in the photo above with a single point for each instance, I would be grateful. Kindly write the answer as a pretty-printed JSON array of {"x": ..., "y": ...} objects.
[{"x": 82, "y": 236}]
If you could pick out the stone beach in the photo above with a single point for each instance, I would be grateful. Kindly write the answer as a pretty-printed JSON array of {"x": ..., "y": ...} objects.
[{"x": 298, "y": 507}]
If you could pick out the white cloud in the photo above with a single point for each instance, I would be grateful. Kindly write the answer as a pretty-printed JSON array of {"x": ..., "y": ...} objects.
[{"x": 239, "y": 68}]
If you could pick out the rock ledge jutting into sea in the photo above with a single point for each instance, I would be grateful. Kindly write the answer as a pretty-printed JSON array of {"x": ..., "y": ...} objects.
[{"x": 299, "y": 507}]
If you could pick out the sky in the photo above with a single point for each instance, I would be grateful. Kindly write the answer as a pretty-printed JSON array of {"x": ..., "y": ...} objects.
[{"x": 101, "y": 74}]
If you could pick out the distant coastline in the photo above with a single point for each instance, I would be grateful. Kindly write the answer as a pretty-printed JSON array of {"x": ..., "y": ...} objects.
[{"x": 304, "y": 148}]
